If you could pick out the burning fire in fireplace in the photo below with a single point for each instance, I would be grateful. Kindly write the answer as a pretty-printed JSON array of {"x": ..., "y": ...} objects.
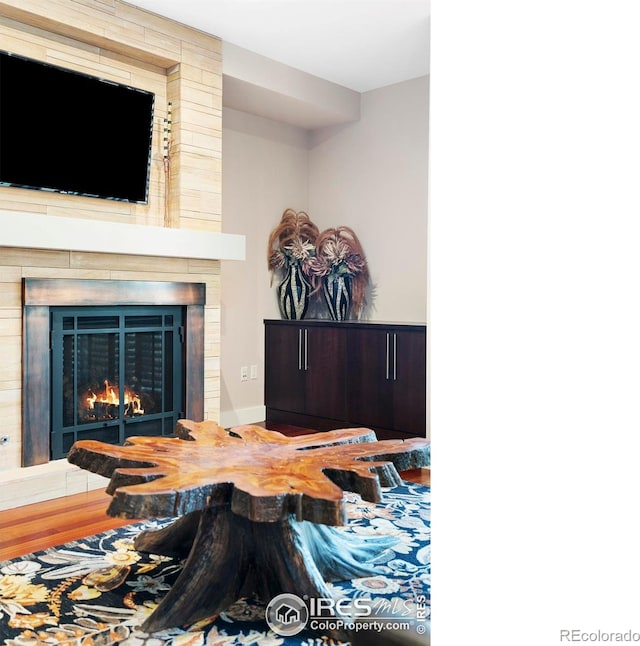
[{"x": 105, "y": 403}]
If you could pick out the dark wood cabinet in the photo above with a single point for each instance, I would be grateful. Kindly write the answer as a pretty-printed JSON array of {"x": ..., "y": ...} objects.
[
  {"x": 388, "y": 388},
  {"x": 284, "y": 364},
  {"x": 370, "y": 394},
  {"x": 327, "y": 374},
  {"x": 301, "y": 378}
]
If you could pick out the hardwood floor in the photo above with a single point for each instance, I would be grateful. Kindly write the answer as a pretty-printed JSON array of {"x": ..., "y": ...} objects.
[{"x": 53, "y": 522}]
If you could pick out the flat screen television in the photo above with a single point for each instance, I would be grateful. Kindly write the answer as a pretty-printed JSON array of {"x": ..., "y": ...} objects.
[{"x": 73, "y": 133}]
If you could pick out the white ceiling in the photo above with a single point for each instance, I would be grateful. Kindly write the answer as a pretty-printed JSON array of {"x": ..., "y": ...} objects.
[{"x": 359, "y": 44}]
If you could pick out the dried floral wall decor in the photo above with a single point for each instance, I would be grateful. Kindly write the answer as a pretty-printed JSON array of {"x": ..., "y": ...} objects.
[
  {"x": 290, "y": 248},
  {"x": 339, "y": 267}
]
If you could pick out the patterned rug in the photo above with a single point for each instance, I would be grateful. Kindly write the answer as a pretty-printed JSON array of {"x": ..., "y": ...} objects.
[{"x": 99, "y": 590}]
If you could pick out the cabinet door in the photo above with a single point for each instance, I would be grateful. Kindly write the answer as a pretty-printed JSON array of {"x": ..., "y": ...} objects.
[
  {"x": 284, "y": 368},
  {"x": 370, "y": 390},
  {"x": 326, "y": 371},
  {"x": 408, "y": 370}
]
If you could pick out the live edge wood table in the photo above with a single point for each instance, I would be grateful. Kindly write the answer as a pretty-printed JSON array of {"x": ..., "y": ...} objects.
[{"x": 241, "y": 497}]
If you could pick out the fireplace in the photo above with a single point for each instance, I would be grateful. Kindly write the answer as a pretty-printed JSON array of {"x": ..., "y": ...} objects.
[
  {"x": 106, "y": 360},
  {"x": 115, "y": 372}
]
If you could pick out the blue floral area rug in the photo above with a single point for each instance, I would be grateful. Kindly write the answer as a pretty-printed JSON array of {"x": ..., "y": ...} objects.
[{"x": 99, "y": 590}]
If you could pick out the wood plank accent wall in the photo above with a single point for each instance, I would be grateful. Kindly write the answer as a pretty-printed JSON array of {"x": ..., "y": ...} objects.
[{"x": 117, "y": 41}]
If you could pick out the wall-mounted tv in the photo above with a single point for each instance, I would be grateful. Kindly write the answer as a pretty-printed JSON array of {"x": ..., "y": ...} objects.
[{"x": 73, "y": 133}]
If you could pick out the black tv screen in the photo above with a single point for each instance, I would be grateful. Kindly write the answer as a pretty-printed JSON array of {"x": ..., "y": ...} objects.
[{"x": 73, "y": 133}]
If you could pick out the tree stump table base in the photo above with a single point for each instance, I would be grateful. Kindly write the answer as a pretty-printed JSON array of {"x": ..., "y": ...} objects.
[
  {"x": 258, "y": 510},
  {"x": 230, "y": 557}
]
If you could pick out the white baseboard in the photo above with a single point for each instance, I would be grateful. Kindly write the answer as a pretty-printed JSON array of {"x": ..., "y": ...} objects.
[{"x": 242, "y": 416}]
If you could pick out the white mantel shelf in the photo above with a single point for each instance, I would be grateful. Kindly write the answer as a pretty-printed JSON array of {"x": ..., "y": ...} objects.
[{"x": 35, "y": 231}]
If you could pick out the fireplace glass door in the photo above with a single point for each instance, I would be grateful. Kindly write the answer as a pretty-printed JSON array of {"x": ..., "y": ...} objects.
[{"x": 116, "y": 372}]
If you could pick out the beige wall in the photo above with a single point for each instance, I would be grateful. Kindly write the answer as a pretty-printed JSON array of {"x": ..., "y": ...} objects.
[
  {"x": 122, "y": 43},
  {"x": 370, "y": 174},
  {"x": 265, "y": 172}
]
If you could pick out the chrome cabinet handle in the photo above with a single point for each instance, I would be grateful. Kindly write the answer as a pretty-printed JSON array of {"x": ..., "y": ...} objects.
[
  {"x": 306, "y": 350},
  {"x": 387, "y": 359},
  {"x": 300, "y": 349},
  {"x": 395, "y": 356}
]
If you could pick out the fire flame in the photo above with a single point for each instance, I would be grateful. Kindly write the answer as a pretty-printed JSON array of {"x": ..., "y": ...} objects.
[{"x": 110, "y": 395}]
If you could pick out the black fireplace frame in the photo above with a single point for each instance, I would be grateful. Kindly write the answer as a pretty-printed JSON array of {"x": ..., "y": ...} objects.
[{"x": 40, "y": 294}]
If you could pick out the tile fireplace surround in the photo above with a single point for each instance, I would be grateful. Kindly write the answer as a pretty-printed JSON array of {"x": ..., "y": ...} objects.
[{"x": 22, "y": 270}]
